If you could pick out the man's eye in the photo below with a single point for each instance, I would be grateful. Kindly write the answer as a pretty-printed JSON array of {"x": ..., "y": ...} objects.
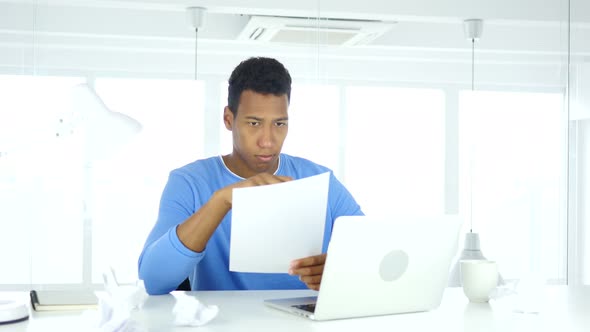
[
  {"x": 281, "y": 124},
  {"x": 254, "y": 123}
]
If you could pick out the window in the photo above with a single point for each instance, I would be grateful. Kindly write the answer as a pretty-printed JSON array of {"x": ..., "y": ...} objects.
[
  {"x": 512, "y": 179},
  {"x": 41, "y": 208},
  {"x": 56, "y": 209},
  {"x": 386, "y": 144},
  {"x": 395, "y": 149},
  {"x": 126, "y": 188},
  {"x": 314, "y": 125}
]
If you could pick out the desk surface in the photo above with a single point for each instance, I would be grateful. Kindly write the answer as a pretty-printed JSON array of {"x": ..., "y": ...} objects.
[{"x": 560, "y": 308}]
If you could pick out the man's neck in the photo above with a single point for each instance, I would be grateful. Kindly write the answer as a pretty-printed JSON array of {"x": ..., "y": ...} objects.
[{"x": 237, "y": 166}]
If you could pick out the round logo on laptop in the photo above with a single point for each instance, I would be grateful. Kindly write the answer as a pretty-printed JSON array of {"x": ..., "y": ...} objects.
[{"x": 393, "y": 265}]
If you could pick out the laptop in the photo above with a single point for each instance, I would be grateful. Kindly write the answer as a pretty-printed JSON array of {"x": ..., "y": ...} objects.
[{"x": 381, "y": 266}]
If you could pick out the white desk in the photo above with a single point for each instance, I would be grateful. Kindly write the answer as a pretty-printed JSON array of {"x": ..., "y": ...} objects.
[{"x": 564, "y": 309}]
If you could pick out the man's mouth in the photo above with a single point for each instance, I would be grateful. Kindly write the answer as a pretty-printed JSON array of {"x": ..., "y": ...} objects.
[{"x": 265, "y": 158}]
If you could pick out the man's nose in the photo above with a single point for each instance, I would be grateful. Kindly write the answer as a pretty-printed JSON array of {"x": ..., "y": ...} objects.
[{"x": 266, "y": 139}]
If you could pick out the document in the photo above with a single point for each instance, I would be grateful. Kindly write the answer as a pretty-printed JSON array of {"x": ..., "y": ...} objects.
[{"x": 275, "y": 224}]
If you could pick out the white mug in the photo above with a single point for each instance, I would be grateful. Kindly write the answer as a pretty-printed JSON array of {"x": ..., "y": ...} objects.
[{"x": 478, "y": 278}]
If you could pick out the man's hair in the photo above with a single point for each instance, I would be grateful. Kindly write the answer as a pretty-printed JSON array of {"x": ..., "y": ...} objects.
[{"x": 258, "y": 74}]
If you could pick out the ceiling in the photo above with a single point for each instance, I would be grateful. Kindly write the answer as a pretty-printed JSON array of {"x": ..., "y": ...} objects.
[{"x": 153, "y": 37}]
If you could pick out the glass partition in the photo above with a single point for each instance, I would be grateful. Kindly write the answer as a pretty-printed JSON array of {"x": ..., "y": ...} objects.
[
  {"x": 382, "y": 95},
  {"x": 579, "y": 146}
]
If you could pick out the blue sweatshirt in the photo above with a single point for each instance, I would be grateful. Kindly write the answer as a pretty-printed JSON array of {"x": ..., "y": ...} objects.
[{"x": 165, "y": 262}]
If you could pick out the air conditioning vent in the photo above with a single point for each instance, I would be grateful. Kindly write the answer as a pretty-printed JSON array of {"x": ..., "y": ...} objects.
[
  {"x": 310, "y": 30},
  {"x": 256, "y": 33}
]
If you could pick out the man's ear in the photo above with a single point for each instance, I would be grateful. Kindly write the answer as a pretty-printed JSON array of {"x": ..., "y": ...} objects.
[{"x": 228, "y": 118}]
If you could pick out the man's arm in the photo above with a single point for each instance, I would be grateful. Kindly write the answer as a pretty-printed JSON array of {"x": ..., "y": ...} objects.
[
  {"x": 196, "y": 231},
  {"x": 173, "y": 249}
]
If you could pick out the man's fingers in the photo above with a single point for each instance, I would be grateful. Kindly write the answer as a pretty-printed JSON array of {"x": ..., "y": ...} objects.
[
  {"x": 307, "y": 271},
  {"x": 309, "y": 261},
  {"x": 310, "y": 270},
  {"x": 313, "y": 286},
  {"x": 264, "y": 179},
  {"x": 284, "y": 178},
  {"x": 315, "y": 279}
]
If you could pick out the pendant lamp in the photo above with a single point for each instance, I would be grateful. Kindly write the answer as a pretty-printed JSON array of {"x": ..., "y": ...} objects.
[{"x": 473, "y": 29}]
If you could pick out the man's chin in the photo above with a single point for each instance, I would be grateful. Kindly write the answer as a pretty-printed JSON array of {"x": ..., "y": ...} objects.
[{"x": 266, "y": 167}]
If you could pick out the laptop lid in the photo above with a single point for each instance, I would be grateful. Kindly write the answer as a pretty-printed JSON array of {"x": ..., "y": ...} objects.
[{"x": 385, "y": 265}]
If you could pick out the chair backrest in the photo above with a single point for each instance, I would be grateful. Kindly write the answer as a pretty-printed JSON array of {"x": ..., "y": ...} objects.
[{"x": 184, "y": 286}]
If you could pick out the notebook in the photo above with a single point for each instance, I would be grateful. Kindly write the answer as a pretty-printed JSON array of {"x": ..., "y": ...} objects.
[
  {"x": 380, "y": 266},
  {"x": 52, "y": 300}
]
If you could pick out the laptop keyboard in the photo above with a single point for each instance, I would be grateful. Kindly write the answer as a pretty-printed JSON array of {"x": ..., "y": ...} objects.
[{"x": 307, "y": 307}]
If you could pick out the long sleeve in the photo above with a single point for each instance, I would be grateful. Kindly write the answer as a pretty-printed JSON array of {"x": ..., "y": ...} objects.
[
  {"x": 341, "y": 202},
  {"x": 165, "y": 262}
]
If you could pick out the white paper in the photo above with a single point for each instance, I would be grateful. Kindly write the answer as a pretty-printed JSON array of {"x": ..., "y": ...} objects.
[
  {"x": 275, "y": 224},
  {"x": 189, "y": 311}
]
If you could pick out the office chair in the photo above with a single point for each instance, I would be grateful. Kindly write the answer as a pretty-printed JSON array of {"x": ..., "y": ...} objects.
[{"x": 184, "y": 286}]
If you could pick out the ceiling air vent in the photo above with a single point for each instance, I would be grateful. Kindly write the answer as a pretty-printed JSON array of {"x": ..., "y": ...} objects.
[{"x": 305, "y": 30}]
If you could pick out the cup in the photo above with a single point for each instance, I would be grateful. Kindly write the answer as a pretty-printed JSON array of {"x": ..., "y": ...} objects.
[{"x": 478, "y": 278}]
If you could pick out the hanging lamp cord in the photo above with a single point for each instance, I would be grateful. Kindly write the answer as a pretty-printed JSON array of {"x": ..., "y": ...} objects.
[
  {"x": 472, "y": 64},
  {"x": 472, "y": 89},
  {"x": 196, "y": 48}
]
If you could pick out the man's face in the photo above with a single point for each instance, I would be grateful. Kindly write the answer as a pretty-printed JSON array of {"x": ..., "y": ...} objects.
[{"x": 259, "y": 130}]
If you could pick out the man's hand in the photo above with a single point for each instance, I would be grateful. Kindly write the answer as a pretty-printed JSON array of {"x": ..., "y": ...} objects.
[
  {"x": 257, "y": 180},
  {"x": 196, "y": 231},
  {"x": 309, "y": 270}
]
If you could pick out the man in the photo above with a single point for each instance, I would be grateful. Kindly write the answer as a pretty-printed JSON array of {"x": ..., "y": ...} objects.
[{"x": 192, "y": 234}]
